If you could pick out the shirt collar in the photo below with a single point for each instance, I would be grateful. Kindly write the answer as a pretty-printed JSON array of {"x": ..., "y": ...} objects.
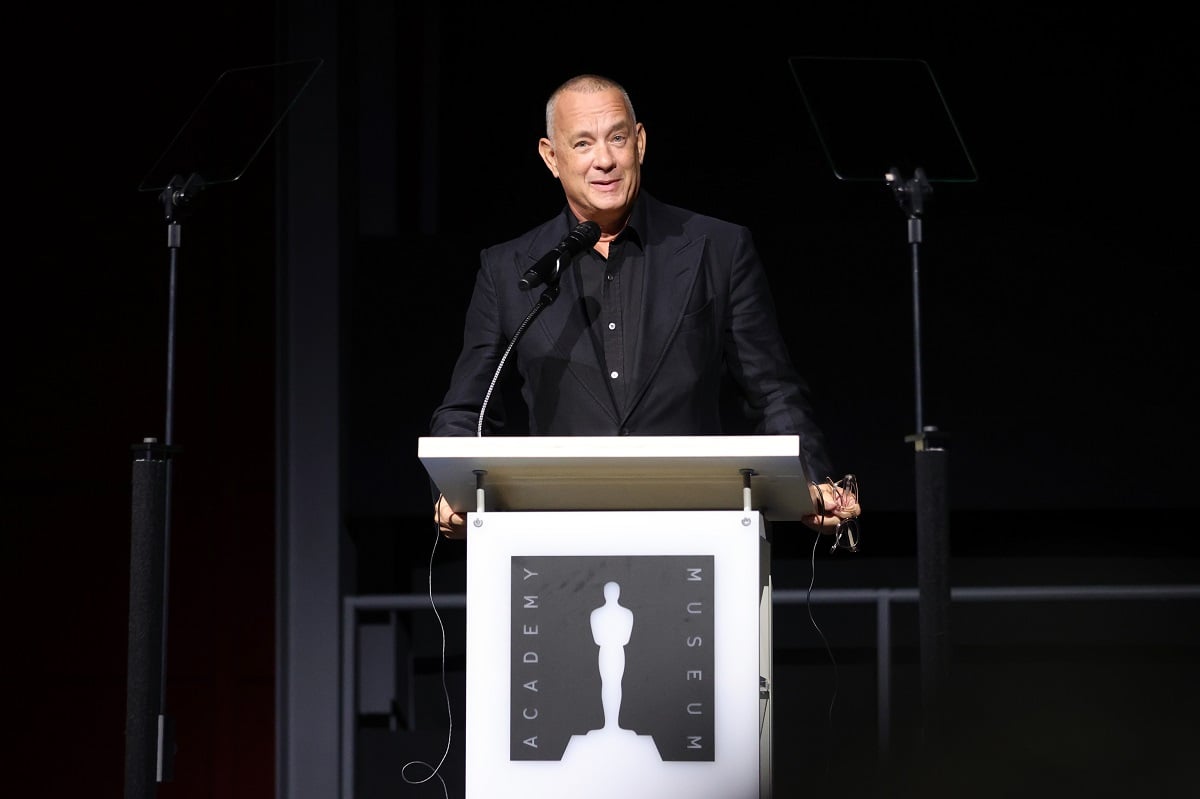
[{"x": 635, "y": 229}]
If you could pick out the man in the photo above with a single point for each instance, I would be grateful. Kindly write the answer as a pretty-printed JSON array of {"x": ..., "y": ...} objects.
[{"x": 649, "y": 323}]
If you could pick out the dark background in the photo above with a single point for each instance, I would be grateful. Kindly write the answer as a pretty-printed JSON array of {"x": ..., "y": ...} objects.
[{"x": 1057, "y": 309}]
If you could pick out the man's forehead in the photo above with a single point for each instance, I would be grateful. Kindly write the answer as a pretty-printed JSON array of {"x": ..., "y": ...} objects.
[{"x": 591, "y": 111}]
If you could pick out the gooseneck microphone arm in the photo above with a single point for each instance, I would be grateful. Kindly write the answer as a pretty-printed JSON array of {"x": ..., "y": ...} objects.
[
  {"x": 546, "y": 270},
  {"x": 548, "y": 296}
]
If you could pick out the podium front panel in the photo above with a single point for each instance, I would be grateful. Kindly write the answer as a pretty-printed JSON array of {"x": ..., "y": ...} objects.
[{"x": 614, "y": 654}]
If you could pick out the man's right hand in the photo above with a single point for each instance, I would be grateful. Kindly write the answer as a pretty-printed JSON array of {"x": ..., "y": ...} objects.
[{"x": 450, "y": 523}]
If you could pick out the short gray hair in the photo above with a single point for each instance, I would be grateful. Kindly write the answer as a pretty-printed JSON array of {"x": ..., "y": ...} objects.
[{"x": 587, "y": 84}]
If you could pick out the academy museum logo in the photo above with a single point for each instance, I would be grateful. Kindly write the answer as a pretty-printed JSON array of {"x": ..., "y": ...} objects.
[{"x": 612, "y": 657}]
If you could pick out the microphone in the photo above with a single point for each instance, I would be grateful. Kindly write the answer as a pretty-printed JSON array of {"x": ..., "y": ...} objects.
[{"x": 546, "y": 269}]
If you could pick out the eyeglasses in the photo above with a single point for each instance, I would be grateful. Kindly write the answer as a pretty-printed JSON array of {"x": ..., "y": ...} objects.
[{"x": 846, "y": 534}]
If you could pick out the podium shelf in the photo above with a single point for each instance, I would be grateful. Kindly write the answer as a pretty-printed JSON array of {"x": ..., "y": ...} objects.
[{"x": 546, "y": 473}]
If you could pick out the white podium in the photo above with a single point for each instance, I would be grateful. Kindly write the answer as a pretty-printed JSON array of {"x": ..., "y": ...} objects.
[{"x": 619, "y": 611}]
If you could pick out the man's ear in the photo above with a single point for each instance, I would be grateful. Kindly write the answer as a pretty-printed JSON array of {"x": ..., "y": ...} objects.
[
  {"x": 641, "y": 142},
  {"x": 546, "y": 151}
]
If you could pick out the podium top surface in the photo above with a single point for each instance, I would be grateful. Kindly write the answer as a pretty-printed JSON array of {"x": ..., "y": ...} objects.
[{"x": 545, "y": 473}]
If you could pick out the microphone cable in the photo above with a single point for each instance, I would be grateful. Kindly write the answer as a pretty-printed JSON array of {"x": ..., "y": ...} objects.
[
  {"x": 435, "y": 771},
  {"x": 828, "y": 650}
]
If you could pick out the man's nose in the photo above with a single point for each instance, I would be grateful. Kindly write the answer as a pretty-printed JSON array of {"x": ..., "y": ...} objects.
[{"x": 604, "y": 157}]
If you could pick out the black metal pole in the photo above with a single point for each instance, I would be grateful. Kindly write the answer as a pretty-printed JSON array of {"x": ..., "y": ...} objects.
[
  {"x": 932, "y": 508},
  {"x": 933, "y": 582},
  {"x": 149, "y": 731},
  {"x": 146, "y": 613}
]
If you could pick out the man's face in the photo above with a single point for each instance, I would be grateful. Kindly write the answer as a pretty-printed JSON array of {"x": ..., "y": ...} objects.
[{"x": 597, "y": 154}]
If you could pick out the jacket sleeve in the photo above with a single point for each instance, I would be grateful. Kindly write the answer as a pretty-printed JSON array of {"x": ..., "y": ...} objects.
[
  {"x": 483, "y": 346},
  {"x": 776, "y": 395}
]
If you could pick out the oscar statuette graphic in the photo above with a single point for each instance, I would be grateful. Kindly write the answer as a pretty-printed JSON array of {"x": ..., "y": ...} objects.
[{"x": 612, "y": 626}]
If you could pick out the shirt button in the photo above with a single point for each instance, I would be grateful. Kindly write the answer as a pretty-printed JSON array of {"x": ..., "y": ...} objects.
[
  {"x": 613, "y": 375},
  {"x": 608, "y": 277},
  {"x": 612, "y": 325}
]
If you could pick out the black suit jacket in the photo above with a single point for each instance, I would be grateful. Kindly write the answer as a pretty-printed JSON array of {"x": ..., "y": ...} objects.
[{"x": 707, "y": 317}]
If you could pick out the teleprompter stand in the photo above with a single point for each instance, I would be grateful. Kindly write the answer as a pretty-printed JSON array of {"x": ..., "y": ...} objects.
[
  {"x": 619, "y": 610},
  {"x": 846, "y": 99},
  {"x": 217, "y": 143}
]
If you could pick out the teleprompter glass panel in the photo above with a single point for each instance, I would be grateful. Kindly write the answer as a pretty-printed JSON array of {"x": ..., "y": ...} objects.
[
  {"x": 873, "y": 115},
  {"x": 231, "y": 124}
]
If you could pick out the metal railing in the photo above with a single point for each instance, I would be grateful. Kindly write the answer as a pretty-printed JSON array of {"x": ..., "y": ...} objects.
[{"x": 882, "y": 598}]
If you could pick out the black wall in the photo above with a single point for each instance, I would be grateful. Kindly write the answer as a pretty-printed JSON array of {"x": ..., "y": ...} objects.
[{"x": 1057, "y": 305}]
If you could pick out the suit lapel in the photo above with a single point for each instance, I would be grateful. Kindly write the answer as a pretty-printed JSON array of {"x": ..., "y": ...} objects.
[{"x": 668, "y": 279}]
